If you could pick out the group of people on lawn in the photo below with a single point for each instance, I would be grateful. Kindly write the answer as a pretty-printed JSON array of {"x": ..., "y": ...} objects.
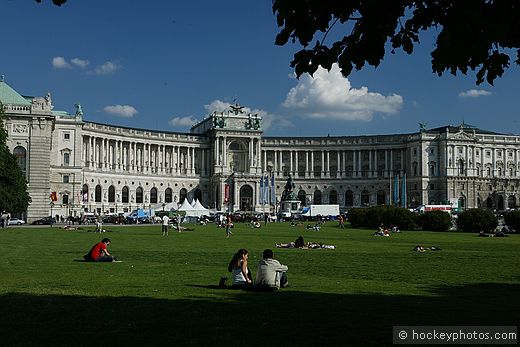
[{"x": 270, "y": 274}]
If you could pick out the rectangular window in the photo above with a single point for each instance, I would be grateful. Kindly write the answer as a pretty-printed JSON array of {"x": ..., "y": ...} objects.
[
  {"x": 499, "y": 154},
  {"x": 66, "y": 159},
  {"x": 488, "y": 154},
  {"x": 432, "y": 186},
  {"x": 66, "y": 136},
  {"x": 65, "y": 178}
]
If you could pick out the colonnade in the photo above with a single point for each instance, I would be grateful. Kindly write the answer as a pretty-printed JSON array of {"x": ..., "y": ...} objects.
[
  {"x": 119, "y": 155},
  {"x": 335, "y": 162}
]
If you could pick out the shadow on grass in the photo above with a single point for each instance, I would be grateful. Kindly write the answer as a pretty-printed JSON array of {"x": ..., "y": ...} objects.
[{"x": 286, "y": 317}]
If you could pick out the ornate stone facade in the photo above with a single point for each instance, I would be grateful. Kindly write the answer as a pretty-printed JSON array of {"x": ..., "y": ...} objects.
[{"x": 104, "y": 168}]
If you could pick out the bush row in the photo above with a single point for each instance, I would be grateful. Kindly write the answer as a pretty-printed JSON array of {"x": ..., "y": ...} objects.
[{"x": 473, "y": 220}]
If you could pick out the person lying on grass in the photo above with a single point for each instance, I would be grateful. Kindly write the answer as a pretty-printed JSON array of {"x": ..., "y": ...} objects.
[
  {"x": 300, "y": 243},
  {"x": 99, "y": 252}
]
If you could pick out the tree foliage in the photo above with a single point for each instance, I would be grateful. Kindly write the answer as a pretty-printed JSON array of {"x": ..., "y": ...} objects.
[
  {"x": 373, "y": 217},
  {"x": 55, "y": 2},
  {"x": 13, "y": 187},
  {"x": 435, "y": 221},
  {"x": 512, "y": 220},
  {"x": 476, "y": 220},
  {"x": 472, "y": 34}
]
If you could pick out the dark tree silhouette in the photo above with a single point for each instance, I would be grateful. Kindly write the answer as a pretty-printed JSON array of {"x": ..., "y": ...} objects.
[{"x": 472, "y": 34}]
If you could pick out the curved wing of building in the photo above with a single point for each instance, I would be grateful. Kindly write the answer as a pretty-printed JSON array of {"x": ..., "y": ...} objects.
[{"x": 227, "y": 164}]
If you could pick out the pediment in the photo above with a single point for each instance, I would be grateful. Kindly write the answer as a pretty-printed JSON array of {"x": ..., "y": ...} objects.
[{"x": 462, "y": 136}]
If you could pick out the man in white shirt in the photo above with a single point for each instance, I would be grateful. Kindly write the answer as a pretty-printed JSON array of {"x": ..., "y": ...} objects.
[
  {"x": 165, "y": 222},
  {"x": 271, "y": 274}
]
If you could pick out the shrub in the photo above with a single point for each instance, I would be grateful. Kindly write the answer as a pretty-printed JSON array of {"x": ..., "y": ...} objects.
[
  {"x": 388, "y": 215},
  {"x": 357, "y": 217},
  {"x": 512, "y": 220},
  {"x": 475, "y": 220},
  {"x": 435, "y": 221}
]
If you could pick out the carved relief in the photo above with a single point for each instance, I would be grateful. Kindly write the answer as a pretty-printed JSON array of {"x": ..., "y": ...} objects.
[{"x": 20, "y": 128}]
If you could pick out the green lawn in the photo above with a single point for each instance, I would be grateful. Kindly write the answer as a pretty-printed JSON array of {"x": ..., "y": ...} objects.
[{"x": 165, "y": 290}]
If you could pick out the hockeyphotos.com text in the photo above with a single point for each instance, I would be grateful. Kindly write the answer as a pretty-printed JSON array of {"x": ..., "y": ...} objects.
[{"x": 454, "y": 334}]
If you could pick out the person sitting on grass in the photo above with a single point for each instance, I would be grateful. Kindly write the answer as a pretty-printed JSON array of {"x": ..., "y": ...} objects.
[
  {"x": 271, "y": 274},
  {"x": 99, "y": 252},
  {"x": 240, "y": 274}
]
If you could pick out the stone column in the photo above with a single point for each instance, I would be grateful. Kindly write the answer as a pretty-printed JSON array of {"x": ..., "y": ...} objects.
[
  {"x": 312, "y": 164},
  {"x": 306, "y": 164},
  {"x": 322, "y": 174},
  {"x": 338, "y": 165},
  {"x": 354, "y": 163}
]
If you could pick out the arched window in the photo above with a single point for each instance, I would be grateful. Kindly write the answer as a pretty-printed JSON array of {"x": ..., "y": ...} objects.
[
  {"x": 139, "y": 195},
  {"x": 21, "y": 157},
  {"x": 349, "y": 198},
  {"x": 198, "y": 194},
  {"x": 333, "y": 197},
  {"x": 462, "y": 202},
  {"x": 111, "y": 194},
  {"x": 302, "y": 196},
  {"x": 84, "y": 193},
  {"x": 500, "y": 205},
  {"x": 414, "y": 165},
  {"x": 97, "y": 194},
  {"x": 432, "y": 169},
  {"x": 489, "y": 171},
  {"x": 489, "y": 203},
  {"x": 381, "y": 197},
  {"x": 182, "y": 195},
  {"x": 168, "y": 195},
  {"x": 124, "y": 195},
  {"x": 246, "y": 198},
  {"x": 511, "y": 201},
  {"x": 153, "y": 195},
  {"x": 365, "y": 198},
  {"x": 317, "y": 198}
]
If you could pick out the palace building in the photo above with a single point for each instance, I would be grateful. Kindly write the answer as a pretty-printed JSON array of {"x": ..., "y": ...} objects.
[{"x": 75, "y": 166}]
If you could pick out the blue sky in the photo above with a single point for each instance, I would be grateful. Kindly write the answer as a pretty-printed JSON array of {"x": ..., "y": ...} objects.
[{"x": 166, "y": 64}]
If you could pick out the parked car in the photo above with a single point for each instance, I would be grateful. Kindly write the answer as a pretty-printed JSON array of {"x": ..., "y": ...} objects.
[
  {"x": 16, "y": 221},
  {"x": 44, "y": 221}
]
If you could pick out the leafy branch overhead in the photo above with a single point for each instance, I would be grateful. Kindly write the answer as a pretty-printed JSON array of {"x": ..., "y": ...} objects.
[
  {"x": 55, "y": 2},
  {"x": 480, "y": 35}
]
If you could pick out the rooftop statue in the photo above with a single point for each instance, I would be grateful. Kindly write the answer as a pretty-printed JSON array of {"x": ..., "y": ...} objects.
[{"x": 79, "y": 111}]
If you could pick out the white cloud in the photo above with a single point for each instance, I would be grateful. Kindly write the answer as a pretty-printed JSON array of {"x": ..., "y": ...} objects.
[
  {"x": 268, "y": 119},
  {"x": 107, "y": 68},
  {"x": 125, "y": 111},
  {"x": 80, "y": 62},
  {"x": 474, "y": 93},
  {"x": 187, "y": 121},
  {"x": 330, "y": 95},
  {"x": 60, "y": 63}
]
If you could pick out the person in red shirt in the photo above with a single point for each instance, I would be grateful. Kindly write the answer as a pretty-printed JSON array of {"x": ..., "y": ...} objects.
[{"x": 99, "y": 252}]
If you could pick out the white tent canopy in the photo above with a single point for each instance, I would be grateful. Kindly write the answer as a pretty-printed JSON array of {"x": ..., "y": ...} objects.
[
  {"x": 171, "y": 206},
  {"x": 196, "y": 210}
]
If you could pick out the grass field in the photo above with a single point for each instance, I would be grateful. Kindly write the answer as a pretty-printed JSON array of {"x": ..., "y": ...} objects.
[{"x": 165, "y": 290}]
